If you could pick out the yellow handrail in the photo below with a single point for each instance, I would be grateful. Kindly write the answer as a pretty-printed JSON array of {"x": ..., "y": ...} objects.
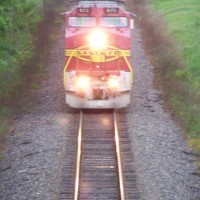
[
  {"x": 121, "y": 52},
  {"x": 129, "y": 66},
  {"x": 67, "y": 64}
]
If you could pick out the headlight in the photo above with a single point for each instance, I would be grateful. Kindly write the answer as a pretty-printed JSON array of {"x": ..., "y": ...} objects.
[
  {"x": 82, "y": 82},
  {"x": 113, "y": 83},
  {"x": 97, "y": 39}
]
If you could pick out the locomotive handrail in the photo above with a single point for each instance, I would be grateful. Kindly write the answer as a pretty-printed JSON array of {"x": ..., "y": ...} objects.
[
  {"x": 129, "y": 66},
  {"x": 77, "y": 52},
  {"x": 67, "y": 64}
]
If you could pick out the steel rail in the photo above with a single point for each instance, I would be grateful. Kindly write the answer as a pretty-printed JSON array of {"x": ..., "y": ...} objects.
[
  {"x": 119, "y": 160},
  {"x": 118, "y": 154},
  {"x": 78, "y": 159}
]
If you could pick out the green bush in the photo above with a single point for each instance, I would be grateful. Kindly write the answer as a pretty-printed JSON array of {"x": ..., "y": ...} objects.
[{"x": 17, "y": 21}]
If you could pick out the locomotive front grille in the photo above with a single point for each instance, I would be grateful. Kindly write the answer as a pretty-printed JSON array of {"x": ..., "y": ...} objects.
[{"x": 99, "y": 93}]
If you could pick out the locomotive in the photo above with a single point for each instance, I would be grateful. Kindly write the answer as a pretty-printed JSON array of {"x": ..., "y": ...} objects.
[{"x": 97, "y": 72}]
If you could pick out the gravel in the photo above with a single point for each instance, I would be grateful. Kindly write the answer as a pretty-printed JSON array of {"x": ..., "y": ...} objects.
[
  {"x": 32, "y": 162},
  {"x": 43, "y": 137},
  {"x": 164, "y": 162}
]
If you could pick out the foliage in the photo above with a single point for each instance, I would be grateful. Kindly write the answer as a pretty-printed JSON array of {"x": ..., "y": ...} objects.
[
  {"x": 183, "y": 20},
  {"x": 25, "y": 26},
  {"x": 183, "y": 82},
  {"x": 17, "y": 20}
]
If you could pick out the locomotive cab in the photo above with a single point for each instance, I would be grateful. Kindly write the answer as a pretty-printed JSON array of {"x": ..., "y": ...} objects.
[{"x": 97, "y": 73}]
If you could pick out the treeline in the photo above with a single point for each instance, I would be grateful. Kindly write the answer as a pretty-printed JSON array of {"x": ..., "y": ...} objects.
[{"x": 18, "y": 19}]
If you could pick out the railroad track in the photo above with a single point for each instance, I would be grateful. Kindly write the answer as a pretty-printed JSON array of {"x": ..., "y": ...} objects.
[
  {"x": 99, "y": 167},
  {"x": 102, "y": 171}
]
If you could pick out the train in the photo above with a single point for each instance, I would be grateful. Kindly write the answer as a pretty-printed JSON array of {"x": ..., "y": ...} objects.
[{"x": 98, "y": 72}]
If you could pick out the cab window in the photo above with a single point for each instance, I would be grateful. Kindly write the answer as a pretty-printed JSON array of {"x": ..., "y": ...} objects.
[
  {"x": 113, "y": 21},
  {"x": 82, "y": 21}
]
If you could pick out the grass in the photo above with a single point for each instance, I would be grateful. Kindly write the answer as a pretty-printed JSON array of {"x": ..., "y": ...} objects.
[
  {"x": 183, "y": 22},
  {"x": 4, "y": 125},
  {"x": 171, "y": 31}
]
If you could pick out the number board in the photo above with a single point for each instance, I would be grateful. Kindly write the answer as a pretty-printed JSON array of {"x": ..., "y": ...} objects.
[
  {"x": 111, "y": 10},
  {"x": 83, "y": 10}
]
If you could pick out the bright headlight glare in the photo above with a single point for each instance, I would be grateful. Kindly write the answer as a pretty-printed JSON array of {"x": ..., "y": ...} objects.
[
  {"x": 82, "y": 82},
  {"x": 113, "y": 83},
  {"x": 97, "y": 39}
]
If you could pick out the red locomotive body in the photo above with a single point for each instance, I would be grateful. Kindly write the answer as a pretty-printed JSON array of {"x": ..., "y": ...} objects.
[{"x": 98, "y": 73}]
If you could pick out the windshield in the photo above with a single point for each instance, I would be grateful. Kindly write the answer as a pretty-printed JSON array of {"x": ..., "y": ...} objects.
[
  {"x": 82, "y": 21},
  {"x": 113, "y": 21}
]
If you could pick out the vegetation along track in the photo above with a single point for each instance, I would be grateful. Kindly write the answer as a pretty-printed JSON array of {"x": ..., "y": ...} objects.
[{"x": 104, "y": 169}]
